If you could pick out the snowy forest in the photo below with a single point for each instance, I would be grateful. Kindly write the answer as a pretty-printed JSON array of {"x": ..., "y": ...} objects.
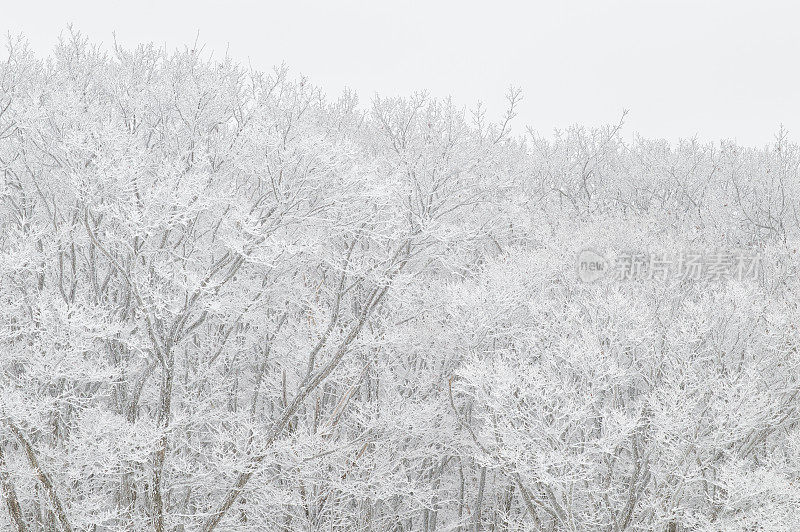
[{"x": 229, "y": 302}]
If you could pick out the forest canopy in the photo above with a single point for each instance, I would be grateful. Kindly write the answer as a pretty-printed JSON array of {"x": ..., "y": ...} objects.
[{"x": 229, "y": 302}]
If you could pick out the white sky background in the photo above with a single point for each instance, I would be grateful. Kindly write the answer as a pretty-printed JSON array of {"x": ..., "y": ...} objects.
[{"x": 715, "y": 69}]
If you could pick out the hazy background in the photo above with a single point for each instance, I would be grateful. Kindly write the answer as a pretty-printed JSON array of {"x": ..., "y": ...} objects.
[{"x": 715, "y": 69}]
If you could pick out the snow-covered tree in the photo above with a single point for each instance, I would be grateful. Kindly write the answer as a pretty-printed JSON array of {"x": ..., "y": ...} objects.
[{"x": 228, "y": 302}]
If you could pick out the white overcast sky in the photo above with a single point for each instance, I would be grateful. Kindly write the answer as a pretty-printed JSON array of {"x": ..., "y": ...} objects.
[{"x": 714, "y": 69}]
